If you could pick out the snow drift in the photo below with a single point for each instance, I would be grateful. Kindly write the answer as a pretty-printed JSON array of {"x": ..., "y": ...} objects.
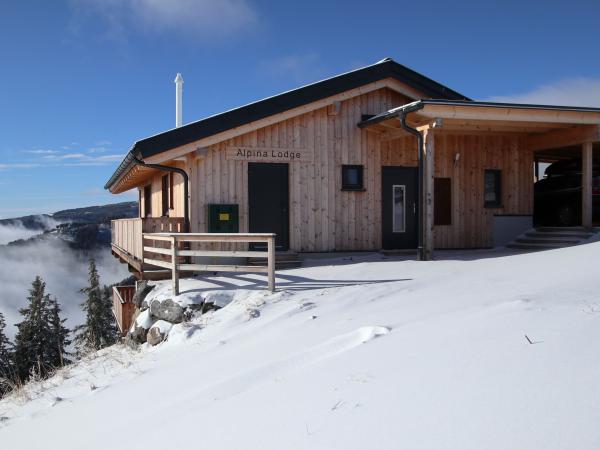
[{"x": 495, "y": 352}]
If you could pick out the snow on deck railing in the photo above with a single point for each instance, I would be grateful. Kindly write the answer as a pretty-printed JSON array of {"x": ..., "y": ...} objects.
[{"x": 170, "y": 255}]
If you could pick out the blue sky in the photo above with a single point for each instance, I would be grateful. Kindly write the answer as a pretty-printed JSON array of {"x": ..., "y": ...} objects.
[{"x": 81, "y": 80}]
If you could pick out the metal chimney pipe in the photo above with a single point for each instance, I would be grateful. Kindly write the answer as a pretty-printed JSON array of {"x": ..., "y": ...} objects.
[{"x": 178, "y": 100}]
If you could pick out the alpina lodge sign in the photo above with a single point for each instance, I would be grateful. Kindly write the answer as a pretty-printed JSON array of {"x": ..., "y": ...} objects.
[{"x": 261, "y": 154}]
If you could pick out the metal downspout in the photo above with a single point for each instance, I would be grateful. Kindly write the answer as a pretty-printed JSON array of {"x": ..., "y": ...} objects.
[
  {"x": 183, "y": 173},
  {"x": 421, "y": 222}
]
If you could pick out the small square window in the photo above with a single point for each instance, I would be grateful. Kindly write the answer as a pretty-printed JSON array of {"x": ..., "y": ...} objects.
[
  {"x": 492, "y": 189},
  {"x": 352, "y": 178}
]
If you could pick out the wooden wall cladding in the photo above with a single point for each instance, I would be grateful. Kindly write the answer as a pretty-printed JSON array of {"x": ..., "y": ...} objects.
[{"x": 325, "y": 218}]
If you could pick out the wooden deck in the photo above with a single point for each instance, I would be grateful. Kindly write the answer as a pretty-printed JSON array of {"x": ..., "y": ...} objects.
[
  {"x": 128, "y": 242},
  {"x": 158, "y": 249}
]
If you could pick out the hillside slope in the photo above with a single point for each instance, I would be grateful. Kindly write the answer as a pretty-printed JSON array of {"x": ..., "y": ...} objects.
[{"x": 371, "y": 354}]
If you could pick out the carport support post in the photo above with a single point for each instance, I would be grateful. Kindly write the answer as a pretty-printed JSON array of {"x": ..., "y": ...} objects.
[
  {"x": 586, "y": 184},
  {"x": 428, "y": 186}
]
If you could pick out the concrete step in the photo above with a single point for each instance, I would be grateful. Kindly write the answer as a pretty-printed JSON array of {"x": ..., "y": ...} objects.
[
  {"x": 557, "y": 234},
  {"x": 564, "y": 229},
  {"x": 524, "y": 246},
  {"x": 541, "y": 238},
  {"x": 547, "y": 238}
]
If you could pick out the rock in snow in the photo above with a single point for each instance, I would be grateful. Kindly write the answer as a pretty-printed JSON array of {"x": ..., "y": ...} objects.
[
  {"x": 167, "y": 310},
  {"x": 140, "y": 327},
  {"x": 158, "y": 332}
]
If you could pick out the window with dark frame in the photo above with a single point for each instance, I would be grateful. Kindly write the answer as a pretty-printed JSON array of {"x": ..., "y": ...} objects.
[
  {"x": 165, "y": 195},
  {"x": 171, "y": 182},
  {"x": 492, "y": 195},
  {"x": 442, "y": 206},
  {"x": 148, "y": 200},
  {"x": 352, "y": 178}
]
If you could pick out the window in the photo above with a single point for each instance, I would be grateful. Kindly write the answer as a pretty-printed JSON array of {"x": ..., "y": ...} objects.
[
  {"x": 398, "y": 208},
  {"x": 148, "y": 201},
  {"x": 442, "y": 198},
  {"x": 492, "y": 189},
  {"x": 352, "y": 178},
  {"x": 165, "y": 195},
  {"x": 171, "y": 190}
]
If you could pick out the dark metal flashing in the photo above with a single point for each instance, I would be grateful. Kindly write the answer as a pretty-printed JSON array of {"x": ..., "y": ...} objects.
[{"x": 219, "y": 123}]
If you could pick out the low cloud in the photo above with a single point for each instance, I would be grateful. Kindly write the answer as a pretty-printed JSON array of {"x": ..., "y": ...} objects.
[
  {"x": 16, "y": 230},
  {"x": 207, "y": 18},
  {"x": 63, "y": 269},
  {"x": 569, "y": 92},
  {"x": 10, "y": 233}
]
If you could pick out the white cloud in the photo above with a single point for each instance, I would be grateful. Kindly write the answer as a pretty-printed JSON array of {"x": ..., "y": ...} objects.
[
  {"x": 42, "y": 152},
  {"x": 569, "y": 92},
  {"x": 18, "y": 165},
  {"x": 209, "y": 18}
]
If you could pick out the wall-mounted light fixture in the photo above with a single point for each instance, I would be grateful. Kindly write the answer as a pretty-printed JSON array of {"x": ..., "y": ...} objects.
[{"x": 456, "y": 159}]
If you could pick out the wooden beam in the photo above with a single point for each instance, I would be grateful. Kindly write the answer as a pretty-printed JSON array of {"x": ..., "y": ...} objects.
[
  {"x": 174, "y": 268},
  {"x": 563, "y": 138},
  {"x": 467, "y": 112},
  {"x": 586, "y": 180}
]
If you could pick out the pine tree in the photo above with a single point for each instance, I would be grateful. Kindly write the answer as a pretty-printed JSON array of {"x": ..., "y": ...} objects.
[
  {"x": 6, "y": 359},
  {"x": 34, "y": 352},
  {"x": 60, "y": 335},
  {"x": 99, "y": 329}
]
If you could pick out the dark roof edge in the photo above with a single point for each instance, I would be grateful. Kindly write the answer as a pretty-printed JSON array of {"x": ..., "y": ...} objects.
[
  {"x": 125, "y": 166},
  {"x": 419, "y": 104}
]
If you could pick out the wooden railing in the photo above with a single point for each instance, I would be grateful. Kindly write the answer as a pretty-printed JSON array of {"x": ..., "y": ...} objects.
[
  {"x": 123, "y": 307},
  {"x": 169, "y": 256},
  {"x": 127, "y": 234}
]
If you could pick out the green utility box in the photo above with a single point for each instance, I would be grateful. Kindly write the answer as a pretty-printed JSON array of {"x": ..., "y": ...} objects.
[{"x": 223, "y": 219}]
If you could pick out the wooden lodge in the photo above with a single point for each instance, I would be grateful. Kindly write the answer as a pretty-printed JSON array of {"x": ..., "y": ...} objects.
[{"x": 378, "y": 158}]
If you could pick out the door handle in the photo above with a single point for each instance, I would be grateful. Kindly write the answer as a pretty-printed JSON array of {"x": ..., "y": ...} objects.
[{"x": 414, "y": 207}]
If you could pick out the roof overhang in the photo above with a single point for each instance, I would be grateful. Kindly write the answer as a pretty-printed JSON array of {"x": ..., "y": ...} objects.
[
  {"x": 129, "y": 175},
  {"x": 547, "y": 126}
]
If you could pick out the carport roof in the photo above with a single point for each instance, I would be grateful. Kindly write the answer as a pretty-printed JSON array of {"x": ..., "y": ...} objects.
[{"x": 478, "y": 110}]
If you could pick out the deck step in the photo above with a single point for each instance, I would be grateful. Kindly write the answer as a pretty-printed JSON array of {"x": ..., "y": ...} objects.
[
  {"x": 283, "y": 260},
  {"x": 548, "y": 238},
  {"x": 523, "y": 246},
  {"x": 559, "y": 235}
]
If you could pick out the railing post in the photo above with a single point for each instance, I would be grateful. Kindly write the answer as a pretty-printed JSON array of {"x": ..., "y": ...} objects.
[
  {"x": 271, "y": 262},
  {"x": 174, "y": 268}
]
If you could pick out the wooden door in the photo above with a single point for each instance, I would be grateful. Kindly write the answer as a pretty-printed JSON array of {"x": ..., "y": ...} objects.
[
  {"x": 399, "y": 207},
  {"x": 268, "y": 202}
]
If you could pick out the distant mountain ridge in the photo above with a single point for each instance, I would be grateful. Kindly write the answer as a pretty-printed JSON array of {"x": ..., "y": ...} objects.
[
  {"x": 81, "y": 228},
  {"x": 89, "y": 214}
]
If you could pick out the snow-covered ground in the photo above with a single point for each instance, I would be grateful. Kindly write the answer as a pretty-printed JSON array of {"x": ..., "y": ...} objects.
[{"x": 371, "y": 354}]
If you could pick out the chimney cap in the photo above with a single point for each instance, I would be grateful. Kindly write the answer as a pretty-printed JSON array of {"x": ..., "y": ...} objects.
[{"x": 178, "y": 78}]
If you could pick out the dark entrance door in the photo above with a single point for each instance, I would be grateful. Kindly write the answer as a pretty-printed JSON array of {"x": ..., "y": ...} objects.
[
  {"x": 399, "y": 207},
  {"x": 268, "y": 202}
]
